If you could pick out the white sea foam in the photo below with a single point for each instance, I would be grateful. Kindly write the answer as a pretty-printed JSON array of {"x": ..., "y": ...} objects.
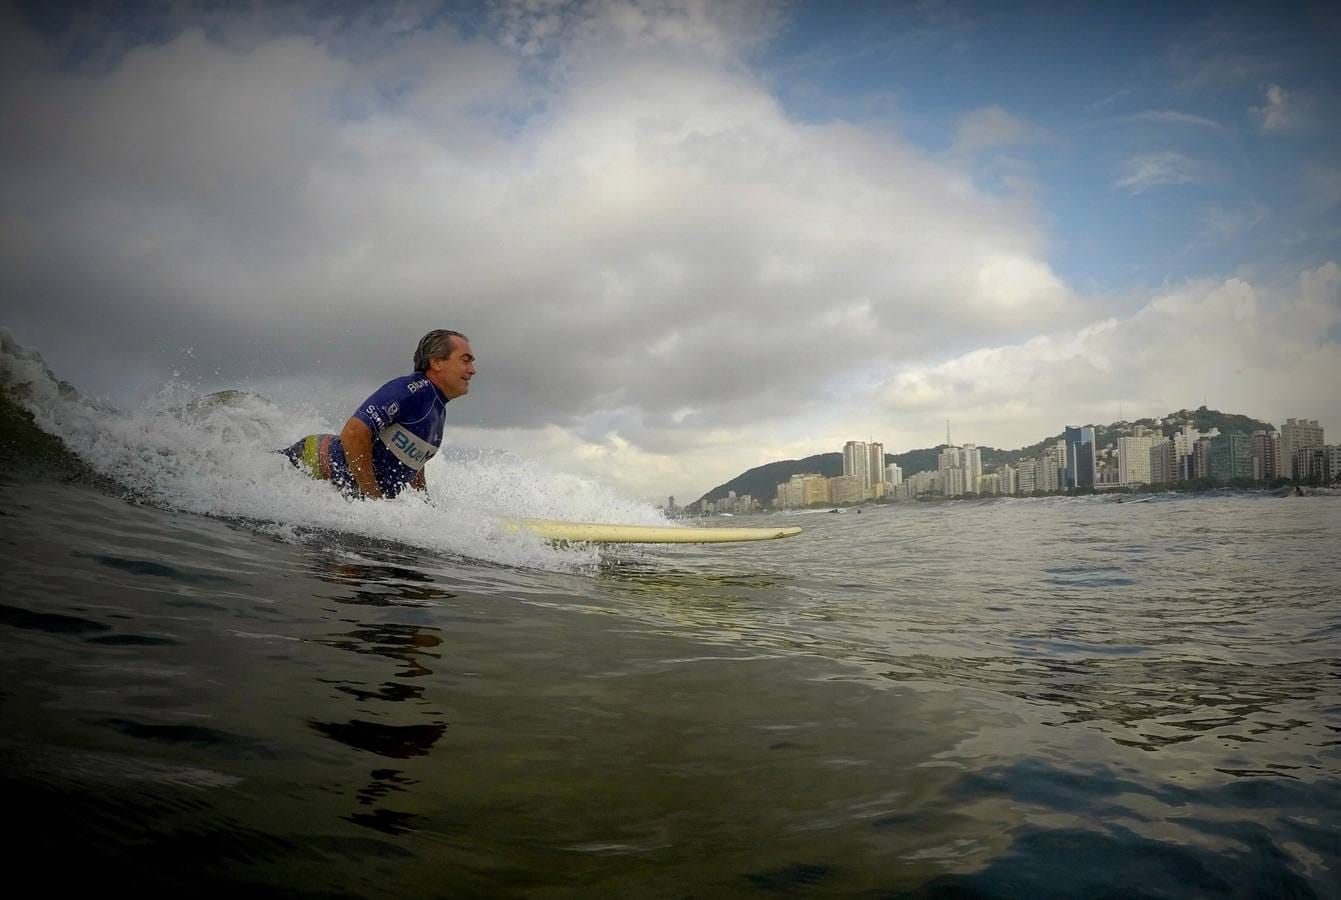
[{"x": 214, "y": 455}]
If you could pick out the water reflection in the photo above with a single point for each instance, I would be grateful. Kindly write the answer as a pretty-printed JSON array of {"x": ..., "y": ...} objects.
[
  {"x": 393, "y": 741},
  {"x": 409, "y": 645},
  {"x": 380, "y": 585},
  {"x": 414, "y": 648}
]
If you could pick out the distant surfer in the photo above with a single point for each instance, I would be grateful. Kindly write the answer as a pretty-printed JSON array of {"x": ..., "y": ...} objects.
[{"x": 391, "y": 436}]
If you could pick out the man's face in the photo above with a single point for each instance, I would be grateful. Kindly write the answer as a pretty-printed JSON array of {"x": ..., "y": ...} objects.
[{"x": 453, "y": 374}]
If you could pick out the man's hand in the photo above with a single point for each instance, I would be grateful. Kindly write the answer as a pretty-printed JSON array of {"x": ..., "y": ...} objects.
[{"x": 356, "y": 438}]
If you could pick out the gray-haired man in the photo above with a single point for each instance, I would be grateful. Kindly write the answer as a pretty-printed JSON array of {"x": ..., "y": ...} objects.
[{"x": 386, "y": 442}]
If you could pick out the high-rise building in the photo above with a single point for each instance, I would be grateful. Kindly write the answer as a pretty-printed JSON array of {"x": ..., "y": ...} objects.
[
  {"x": 1266, "y": 456},
  {"x": 1329, "y": 460},
  {"x": 1051, "y": 473},
  {"x": 847, "y": 488},
  {"x": 1230, "y": 456},
  {"x": 857, "y": 462},
  {"x": 972, "y": 462},
  {"x": 1028, "y": 472},
  {"x": 949, "y": 458},
  {"x": 1301, "y": 463},
  {"x": 989, "y": 484},
  {"x": 956, "y": 481},
  {"x": 814, "y": 489},
  {"x": 1184, "y": 450},
  {"x": 1050, "y": 476},
  {"x": 1320, "y": 465},
  {"x": 1010, "y": 480},
  {"x": 1297, "y": 434},
  {"x": 1134, "y": 458},
  {"x": 1161, "y": 462},
  {"x": 921, "y": 483},
  {"x": 803, "y": 490},
  {"x": 1201, "y": 456},
  {"x": 1184, "y": 439},
  {"x": 1081, "y": 466},
  {"x": 876, "y": 466},
  {"x": 894, "y": 474}
]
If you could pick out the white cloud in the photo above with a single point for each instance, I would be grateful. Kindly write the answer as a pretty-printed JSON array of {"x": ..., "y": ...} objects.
[
  {"x": 1222, "y": 224},
  {"x": 1148, "y": 171},
  {"x": 1268, "y": 351},
  {"x": 1284, "y": 111},
  {"x": 579, "y": 27},
  {"x": 1163, "y": 118},
  {"x": 642, "y": 230}
]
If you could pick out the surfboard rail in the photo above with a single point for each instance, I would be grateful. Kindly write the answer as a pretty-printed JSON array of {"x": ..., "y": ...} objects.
[{"x": 609, "y": 533}]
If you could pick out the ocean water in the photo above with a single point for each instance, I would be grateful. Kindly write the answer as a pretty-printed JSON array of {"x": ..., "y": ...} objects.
[{"x": 219, "y": 677}]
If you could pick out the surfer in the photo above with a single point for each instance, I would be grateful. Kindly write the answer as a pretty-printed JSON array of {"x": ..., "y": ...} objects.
[{"x": 391, "y": 436}]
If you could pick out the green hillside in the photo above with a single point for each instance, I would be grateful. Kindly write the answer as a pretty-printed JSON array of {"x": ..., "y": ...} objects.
[{"x": 762, "y": 482}]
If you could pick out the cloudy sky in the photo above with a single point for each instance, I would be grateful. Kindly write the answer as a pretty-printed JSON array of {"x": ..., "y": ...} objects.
[{"x": 685, "y": 237}]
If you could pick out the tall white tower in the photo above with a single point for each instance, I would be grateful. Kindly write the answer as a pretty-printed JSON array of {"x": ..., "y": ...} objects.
[
  {"x": 877, "y": 463},
  {"x": 972, "y": 462},
  {"x": 857, "y": 461}
]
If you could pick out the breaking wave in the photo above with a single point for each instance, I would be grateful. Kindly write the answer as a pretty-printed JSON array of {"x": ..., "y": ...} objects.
[{"x": 213, "y": 455}]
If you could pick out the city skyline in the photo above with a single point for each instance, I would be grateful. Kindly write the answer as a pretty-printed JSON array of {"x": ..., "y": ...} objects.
[{"x": 1142, "y": 457}]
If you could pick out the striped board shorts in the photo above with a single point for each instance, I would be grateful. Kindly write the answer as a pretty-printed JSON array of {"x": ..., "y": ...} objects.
[{"x": 312, "y": 454}]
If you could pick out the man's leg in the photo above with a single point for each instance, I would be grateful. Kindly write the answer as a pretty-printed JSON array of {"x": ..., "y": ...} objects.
[{"x": 312, "y": 454}]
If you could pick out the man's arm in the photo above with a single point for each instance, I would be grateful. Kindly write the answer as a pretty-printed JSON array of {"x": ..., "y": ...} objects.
[{"x": 356, "y": 438}]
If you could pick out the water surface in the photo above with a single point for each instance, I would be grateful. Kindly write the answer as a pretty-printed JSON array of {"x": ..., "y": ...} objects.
[{"x": 1064, "y": 697}]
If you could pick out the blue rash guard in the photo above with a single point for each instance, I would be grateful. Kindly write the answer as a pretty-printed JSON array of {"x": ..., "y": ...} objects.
[{"x": 405, "y": 416}]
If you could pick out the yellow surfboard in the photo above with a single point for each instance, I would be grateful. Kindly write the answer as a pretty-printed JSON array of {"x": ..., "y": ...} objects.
[{"x": 598, "y": 533}]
